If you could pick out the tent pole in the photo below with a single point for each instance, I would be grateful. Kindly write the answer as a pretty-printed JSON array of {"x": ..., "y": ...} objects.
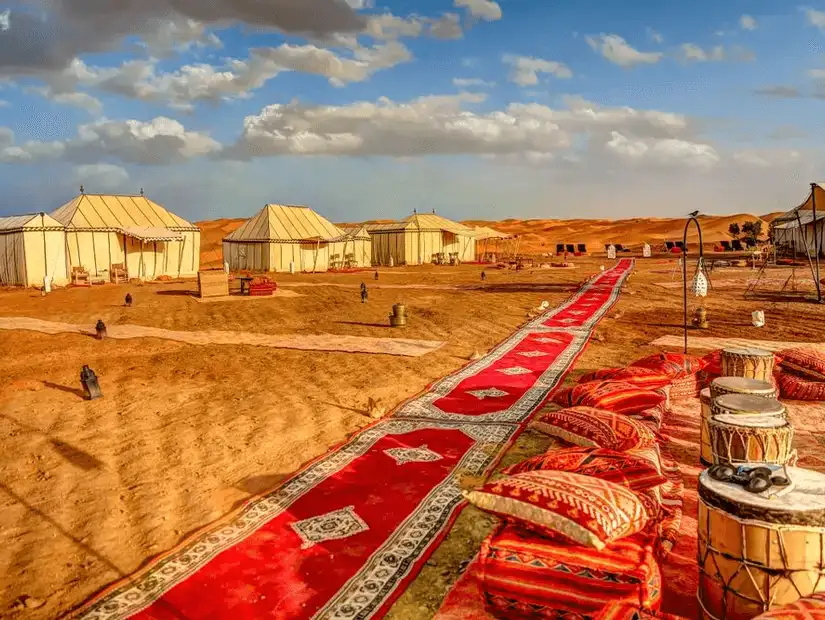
[
  {"x": 817, "y": 245},
  {"x": 45, "y": 251}
]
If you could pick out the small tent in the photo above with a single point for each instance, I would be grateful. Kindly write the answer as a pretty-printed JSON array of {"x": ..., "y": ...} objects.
[
  {"x": 278, "y": 235},
  {"x": 133, "y": 231},
  {"x": 32, "y": 247},
  {"x": 417, "y": 239},
  {"x": 357, "y": 247},
  {"x": 796, "y": 230}
]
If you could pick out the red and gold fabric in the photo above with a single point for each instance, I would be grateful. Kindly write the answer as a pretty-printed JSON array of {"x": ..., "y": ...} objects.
[
  {"x": 651, "y": 418},
  {"x": 794, "y": 387},
  {"x": 637, "y": 472},
  {"x": 635, "y": 375},
  {"x": 523, "y": 576},
  {"x": 565, "y": 506},
  {"x": 806, "y": 362},
  {"x": 675, "y": 365},
  {"x": 610, "y": 395},
  {"x": 713, "y": 362},
  {"x": 685, "y": 388},
  {"x": 808, "y": 608},
  {"x": 623, "y": 610},
  {"x": 593, "y": 428}
]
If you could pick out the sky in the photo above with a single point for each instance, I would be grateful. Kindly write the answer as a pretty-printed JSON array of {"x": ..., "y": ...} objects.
[{"x": 476, "y": 108}]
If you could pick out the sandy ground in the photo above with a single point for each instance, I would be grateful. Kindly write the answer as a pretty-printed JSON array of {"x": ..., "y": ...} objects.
[{"x": 92, "y": 490}]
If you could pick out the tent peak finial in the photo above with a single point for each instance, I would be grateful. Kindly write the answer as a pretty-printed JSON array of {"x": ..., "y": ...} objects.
[
  {"x": 81, "y": 190},
  {"x": 433, "y": 211},
  {"x": 141, "y": 191},
  {"x": 415, "y": 211}
]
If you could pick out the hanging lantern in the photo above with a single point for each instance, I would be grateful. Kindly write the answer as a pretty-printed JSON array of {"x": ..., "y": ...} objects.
[
  {"x": 91, "y": 387},
  {"x": 700, "y": 281}
]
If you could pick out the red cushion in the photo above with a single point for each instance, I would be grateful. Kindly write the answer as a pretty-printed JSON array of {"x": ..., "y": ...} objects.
[
  {"x": 794, "y": 387},
  {"x": 805, "y": 362},
  {"x": 576, "y": 509},
  {"x": 635, "y": 471},
  {"x": 609, "y": 395},
  {"x": 635, "y": 375},
  {"x": 811, "y": 607},
  {"x": 593, "y": 428},
  {"x": 622, "y": 610},
  {"x": 523, "y": 576},
  {"x": 713, "y": 362},
  {"x": 675, "y": 365},
  {"x": 685, "y": 388}
]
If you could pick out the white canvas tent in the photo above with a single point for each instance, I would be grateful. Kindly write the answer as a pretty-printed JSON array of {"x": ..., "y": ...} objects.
[
  {"x": 32, "y": 247},
  {"x": 105, "y": 230},
  {"x": 357, "y": 247},
  {"x": 418, "y": 238},
  {"x": 278, "y": 235},
  {"x": 796, "y": 231}
]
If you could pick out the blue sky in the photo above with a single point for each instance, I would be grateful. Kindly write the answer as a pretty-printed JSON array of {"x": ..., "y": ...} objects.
[{"x": 480, "y": 109}]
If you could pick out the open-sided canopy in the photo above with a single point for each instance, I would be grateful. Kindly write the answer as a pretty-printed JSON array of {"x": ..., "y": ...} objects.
[{"x": 483, "y": 232}]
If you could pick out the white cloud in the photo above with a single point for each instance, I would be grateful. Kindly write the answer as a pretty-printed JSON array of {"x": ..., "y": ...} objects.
[
  {"x": 615, "y": 49},
  {"x": 748, "y": 22},
  {"x": 4, "y": 103},
  {"x": 159, "y": 141},
  {"x": 665, "y": 152},
  {"x": 481, "y": 9},
  {"x": 690, "y": 52},
  {"x": 104, "y": 177},
  {"x": 816, "y": 18},
  {"x": 5, "y": 20},
  {"x": 767, "y": 158},
  {"x": 179, "y": 35},
  {"x": 655, "y": 36},
  {"x": 525, "y": 69},
  {"x": 469, "y": 82},
  {"x": 138, "y": 79}
]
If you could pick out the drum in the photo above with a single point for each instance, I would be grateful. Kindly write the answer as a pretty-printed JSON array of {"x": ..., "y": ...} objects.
[
  {"x": 705, "y": 453},
  {"x": 740, "y": 404},
  {"x": 747, "y": 362},
  {"x": 742, "y": 385},
  {"x": 759, "y": 551},
  {"x": 743, "y": 438}
]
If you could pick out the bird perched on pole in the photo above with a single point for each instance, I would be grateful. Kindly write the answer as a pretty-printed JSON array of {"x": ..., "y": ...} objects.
[{"x": 693, "y": 213}]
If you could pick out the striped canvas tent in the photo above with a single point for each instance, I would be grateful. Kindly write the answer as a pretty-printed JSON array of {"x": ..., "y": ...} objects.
[
  {"x": 357, "y": 247},
  {"x": 796, "y": 230},
  {"x": 32, "y": 247},
  {"x": 133, "y": 231},
  {"x": 278, "y": 235},
  {"x": 418, "y": 238}
]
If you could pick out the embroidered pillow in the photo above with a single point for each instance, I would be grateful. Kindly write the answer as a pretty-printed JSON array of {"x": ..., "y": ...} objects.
[
  {"x": 593, "y": 428},
  {"x": 805, "y": 362},
  {"x": 634, "y": 375},
  {"x": 577, "y": 509},
  {"x": 611, "y": 396},
  {"x": 713, "y": 362},
  {"x": 635, "y": 471},
  {"x": 675, "y": 365},
  {"x": 793, "y": 387}
]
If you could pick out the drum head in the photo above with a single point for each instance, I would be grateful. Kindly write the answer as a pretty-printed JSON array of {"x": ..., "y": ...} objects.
[
  {"x": 759, "y": 420},
  {"x": 743, "y": 384},
  {"x": 747, "y": 403},
  {"x": 747, "y": 352}
]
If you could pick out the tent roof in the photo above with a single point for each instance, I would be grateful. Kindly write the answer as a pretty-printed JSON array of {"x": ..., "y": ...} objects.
[
  {"x": 109, "y": 212},
  {"x": 285, "y": 224},
  {"x": 423, "y": 221},
  {"x": 29, "y": 221},
  {"x": 359, "y": 232},
  {"x": 790, "y": 217},
  {"x": 485, "y": 232}
]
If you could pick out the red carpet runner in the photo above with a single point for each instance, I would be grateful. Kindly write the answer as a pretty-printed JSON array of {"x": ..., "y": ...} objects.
[{"x": 344, "y": 536}]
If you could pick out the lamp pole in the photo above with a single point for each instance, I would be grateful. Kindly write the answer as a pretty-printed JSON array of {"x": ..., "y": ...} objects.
[{"x": 684, "y": 269}]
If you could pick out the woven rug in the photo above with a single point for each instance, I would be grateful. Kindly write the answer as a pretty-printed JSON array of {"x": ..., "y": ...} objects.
[{"x": 344, "y": 536}]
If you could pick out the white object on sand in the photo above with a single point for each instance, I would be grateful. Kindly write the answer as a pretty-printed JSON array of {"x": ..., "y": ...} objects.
[
  {"x": 758, "y": 318},
  {"x": 611, "y": 251},
  {"x": 292, "y": 266},
  {"x": 545, "y": 305},
  {"x": 225, "y": 267},
  {"x": 601, "y": 268},
  {"x": 47, "y": 284}
]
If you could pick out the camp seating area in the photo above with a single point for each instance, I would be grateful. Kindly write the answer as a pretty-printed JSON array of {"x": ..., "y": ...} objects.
[
  {"x": 261, "y": 286},
  {"x": 578, "y": 249},
  {"x": 80, "y": 277}
]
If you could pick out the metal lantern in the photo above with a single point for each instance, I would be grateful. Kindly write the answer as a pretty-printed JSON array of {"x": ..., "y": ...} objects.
[
  {"x": 100, "y": 330},
  {"x": 700, "y": 281},
  {"x": 91, "y": 388},
  {"x": 128, "y": 300},
  {"x": 398, "y": 318},
  {"x": 483, "y": 276}
]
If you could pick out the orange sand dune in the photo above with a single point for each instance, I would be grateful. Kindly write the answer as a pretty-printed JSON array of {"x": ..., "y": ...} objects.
[{"x": 540, "y": 236}]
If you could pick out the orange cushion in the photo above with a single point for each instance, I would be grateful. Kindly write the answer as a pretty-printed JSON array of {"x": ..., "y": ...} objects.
[
  {"x": 610, "y": 395},
  {"x": 570, "y": 507},
  {"x": 675, "y": 365},
  {"x": 805, "y": 362},
  {"x": 594, "y": 428},
  {"x": 794, "y": 387},
  {"x": 635, "y": 375},
  {"x": 635, "y": 471}
]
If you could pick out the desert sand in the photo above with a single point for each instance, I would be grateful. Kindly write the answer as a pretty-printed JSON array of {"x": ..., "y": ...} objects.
[
  {"x": 92, "y": 490},
  {"x": 541, "y": 236}
]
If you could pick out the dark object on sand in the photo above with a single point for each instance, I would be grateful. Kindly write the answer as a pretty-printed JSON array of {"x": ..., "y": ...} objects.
[
  {"x": 376, "y": 274},
  {"x": 483, "y": 276},
  {"x": 91, "y": 388},
  {"x": 100, "y": 329},
  {"x": 128, "y": 300}
]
